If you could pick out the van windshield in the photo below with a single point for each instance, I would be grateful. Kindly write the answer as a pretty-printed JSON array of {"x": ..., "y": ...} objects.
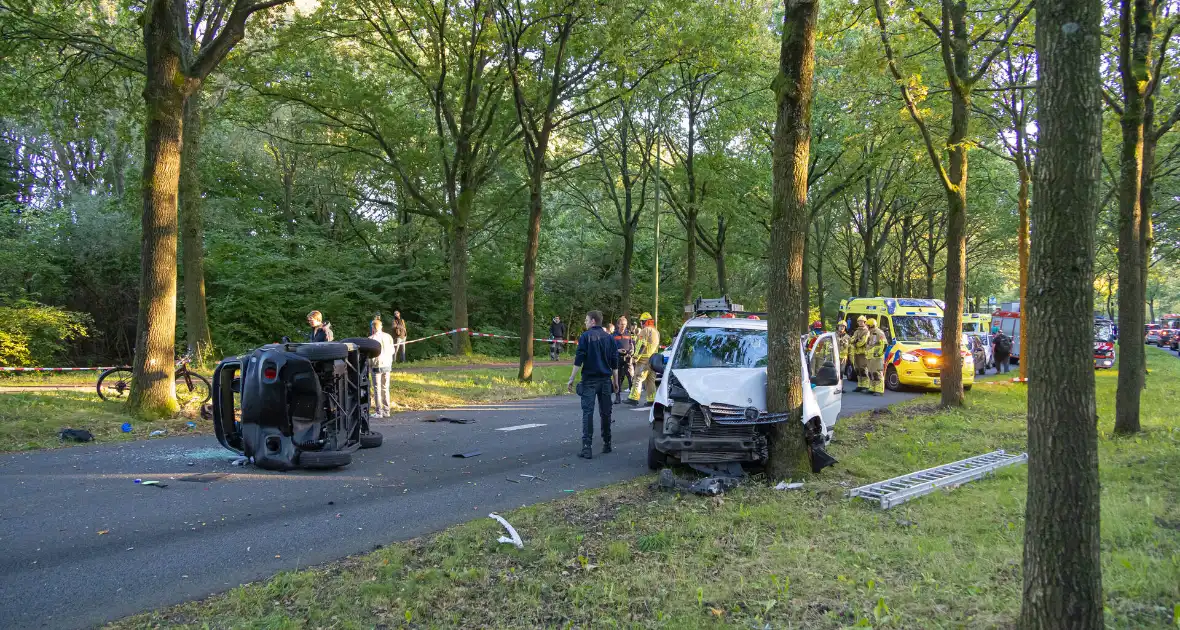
[
  {"x": 973, "y": 327},
  {"x": 917, "y": 328},
  {"x": 721, "y": 348},
  {"x": 1103, "y": 331}
]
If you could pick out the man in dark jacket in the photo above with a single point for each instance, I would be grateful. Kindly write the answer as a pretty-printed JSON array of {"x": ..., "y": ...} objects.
[
  {"x": 597, "y": 358},
  {"x": 399, "y": 336},
  {"x": 320, "y": 330},
  {"x": 1001, "y": 350},
  {"x": 556, "y": 331}
]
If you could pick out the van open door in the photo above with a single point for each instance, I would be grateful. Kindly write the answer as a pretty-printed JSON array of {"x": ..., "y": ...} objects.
[{"x": 827, "y": 383}]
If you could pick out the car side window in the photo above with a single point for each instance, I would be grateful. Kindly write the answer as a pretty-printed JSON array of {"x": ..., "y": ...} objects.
[
  {"x": 886, "y": 328},
  {"x": 824, "y": 362}
]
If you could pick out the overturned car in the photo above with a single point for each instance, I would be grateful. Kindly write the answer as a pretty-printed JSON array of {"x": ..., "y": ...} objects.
[
  {"x": 710, "y": 409},
  {"x": 296, "y": 405}
]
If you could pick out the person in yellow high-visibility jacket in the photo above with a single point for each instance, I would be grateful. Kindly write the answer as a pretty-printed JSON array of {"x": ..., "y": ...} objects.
[
  {"x": 647, "y": 343},
  {"x": 859, "y": 338},
  {"x": 875, "y": 357},
  {"x": 845, "y": 342}
]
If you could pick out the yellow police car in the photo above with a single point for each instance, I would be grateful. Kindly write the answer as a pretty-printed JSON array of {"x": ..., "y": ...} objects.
[{"x": 913, "y": 330}]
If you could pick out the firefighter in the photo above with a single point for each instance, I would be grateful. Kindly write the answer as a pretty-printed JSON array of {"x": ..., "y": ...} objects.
[
  {"x": 817, "y": 329},
  {"x": 875, "y": 357},
  {"x": 647, "y": 343},
  {"x": 845, "y": 342},
  {"x": 859, "y": 339}
]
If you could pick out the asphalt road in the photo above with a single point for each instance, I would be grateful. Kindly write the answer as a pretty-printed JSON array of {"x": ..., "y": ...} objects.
[{"x": 84, "y": 544}]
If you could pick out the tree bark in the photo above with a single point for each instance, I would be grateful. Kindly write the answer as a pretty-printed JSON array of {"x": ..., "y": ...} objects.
[
  {"x": 1022, "y": 243},
  {"x": 625, "y": 273},
  {"x": 153, "y": 394},
  {"x": 192, "y": 233},
  {"x": 1135, "y": 21},
  {"x": 529, "y": 282},
  {"x": 719, "y": 258},
  {"x": 1062, "y": 564},
  {"x": 691, "y": 210},
  {"x": 788, "y": 222},
  {"x": 457, "y": 239},
  {"x": 951, "y": 368}
]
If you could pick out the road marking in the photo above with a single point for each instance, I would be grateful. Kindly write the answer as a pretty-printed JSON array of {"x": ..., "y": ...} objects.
[
  {"x": 519, "y": 427},
  {"x": 642, "y": 409}
]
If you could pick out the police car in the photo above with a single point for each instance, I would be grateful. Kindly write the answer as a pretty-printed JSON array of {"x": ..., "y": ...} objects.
[{"x": 710, "y": 407}]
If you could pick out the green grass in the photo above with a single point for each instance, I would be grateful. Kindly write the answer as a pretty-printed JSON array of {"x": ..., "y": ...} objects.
[
  {"x": 32, "y": 420},
  {"x": 629, "y": 556}
]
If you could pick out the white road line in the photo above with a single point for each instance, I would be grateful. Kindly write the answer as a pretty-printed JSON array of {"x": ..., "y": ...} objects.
[
  {"x": 642, "y": 409},
  {"x": 519, "y": 427}
]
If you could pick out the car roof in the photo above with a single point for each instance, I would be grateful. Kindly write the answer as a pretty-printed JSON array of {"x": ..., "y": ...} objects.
[{"x": 726, "y": 322}]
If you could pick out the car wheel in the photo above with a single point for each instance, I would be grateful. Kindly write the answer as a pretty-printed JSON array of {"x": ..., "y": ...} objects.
[
  {"x": 967, "y": 388},
  {"x": 371, "y": 440},
  {"x": 655, "y": 458},
  {"x": 324, "y": 459},
  {"x": 322, "y": 351},
  {"x": 371, "y": 348},
  {"x": 892, "y": 380}
]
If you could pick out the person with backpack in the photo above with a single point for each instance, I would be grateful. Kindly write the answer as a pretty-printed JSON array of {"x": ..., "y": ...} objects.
[{"x": 1001, "y": 349}]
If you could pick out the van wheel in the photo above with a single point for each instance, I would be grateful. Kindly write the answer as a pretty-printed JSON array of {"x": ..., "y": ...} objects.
[
  {"x": 656, "y": 459},
  {"x": 966, "y": 388},
  {"x": 892, "y": 380}
]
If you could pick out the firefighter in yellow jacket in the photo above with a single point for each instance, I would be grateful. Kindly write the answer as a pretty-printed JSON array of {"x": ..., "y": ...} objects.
[
  {"x": 859, "y": 338},
  {"x": 647, "y": 343},
  {"x": 875, "y": 357},
  {"x": 845, "y": 342}
]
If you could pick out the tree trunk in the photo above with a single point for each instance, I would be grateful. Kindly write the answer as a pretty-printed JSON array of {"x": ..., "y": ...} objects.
[
  {"x": 192, "y": 233},
  {"x": 819, "y": 288},
  {"x": 628, "y": 256},
  {"x": 719, "y": 260},
  {"x": 805, "y": 303},
  {"x": 1062, "y": 563},
  {"x": 153, "y": 394},
  {"x": 457, "y": 240},
  {"x": 1135, "y": 20},
  {"x": 788, "y": 222},
  {"x": 1022, "y": 244},
  {"x": 530, "y": 272},
  {"x": 903, "y": 259},
  {"x": 951, "y": 368}
]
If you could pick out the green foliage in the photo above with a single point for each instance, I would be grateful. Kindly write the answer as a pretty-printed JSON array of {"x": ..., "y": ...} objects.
[{"x": 33, "y": 334}]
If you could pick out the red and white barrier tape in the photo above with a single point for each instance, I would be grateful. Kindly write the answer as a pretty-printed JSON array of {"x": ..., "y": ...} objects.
[
  {"x": 486, "y": 335},
  {"x": 53, "y": 369}
]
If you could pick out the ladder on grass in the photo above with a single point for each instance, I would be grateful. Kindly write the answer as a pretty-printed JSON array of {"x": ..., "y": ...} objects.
[{"x": 898, "y": 490}]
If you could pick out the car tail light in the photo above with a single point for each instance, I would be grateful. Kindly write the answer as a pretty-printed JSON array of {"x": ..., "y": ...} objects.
[{"x": 270, "y": 373}]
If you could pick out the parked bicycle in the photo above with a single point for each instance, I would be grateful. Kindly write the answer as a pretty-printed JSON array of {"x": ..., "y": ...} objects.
[{"x": 192, "y": 389}]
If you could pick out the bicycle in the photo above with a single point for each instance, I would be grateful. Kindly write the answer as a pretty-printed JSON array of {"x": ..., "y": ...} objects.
[{"x": 191, "y": 388}]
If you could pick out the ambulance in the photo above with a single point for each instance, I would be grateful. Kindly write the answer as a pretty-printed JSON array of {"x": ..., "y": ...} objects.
[{"x": 913, "y": 333}]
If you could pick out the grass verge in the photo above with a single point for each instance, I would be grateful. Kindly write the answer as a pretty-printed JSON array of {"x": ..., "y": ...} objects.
[
  {"x": 32, "y": 420},
  {"x": 627, "y": 555}
]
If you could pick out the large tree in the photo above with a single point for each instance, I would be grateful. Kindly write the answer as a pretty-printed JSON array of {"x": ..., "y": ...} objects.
[
  {"x": 788, "y": 232},
  {"x": 1062, "y": 563},
  {"x": 954, "y": 41}
]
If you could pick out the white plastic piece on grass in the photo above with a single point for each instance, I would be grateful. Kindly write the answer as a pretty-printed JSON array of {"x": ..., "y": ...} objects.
[
  {"x": 515, "y": 540},
  {"x": 782, "y": 485}
]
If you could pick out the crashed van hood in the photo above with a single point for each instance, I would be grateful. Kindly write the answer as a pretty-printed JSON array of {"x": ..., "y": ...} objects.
[{"x": 744, "y": 387}]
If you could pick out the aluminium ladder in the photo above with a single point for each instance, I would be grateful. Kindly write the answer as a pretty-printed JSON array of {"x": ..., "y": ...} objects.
[{"x": 898, "y": 490}]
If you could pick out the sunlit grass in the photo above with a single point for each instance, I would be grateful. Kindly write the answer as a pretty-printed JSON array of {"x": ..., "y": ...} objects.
[{"x": 629, "y": 556}]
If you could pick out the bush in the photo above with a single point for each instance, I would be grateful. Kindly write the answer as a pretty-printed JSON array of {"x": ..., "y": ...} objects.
[{"x": 33, "y": 334}]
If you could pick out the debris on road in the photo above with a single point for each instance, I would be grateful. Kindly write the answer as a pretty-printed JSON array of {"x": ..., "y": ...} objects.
[
  {"x": 126, "y": 428},
  {"x": 239, "y": 461},
  {"x": 782, "y": 485},
  {"x": 190, "y": 424},
  {"x": 467, "y": 454},
  {"x": 515, "y": 538},
  {"x": 446, "y": 419},
  {"x": 708, "y": 486},
  {"x": 158, "y": 432},
  {"x": 510, "y": 480},
  {"x": 151, "y": 483},
  {"x": 75, "y": 435}
]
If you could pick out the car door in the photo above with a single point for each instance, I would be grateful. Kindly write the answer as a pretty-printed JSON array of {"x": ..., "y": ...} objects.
[{"x": 826, "y": 380}]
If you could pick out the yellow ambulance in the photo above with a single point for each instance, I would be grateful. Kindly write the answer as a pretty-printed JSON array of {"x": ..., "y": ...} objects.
[
  {"x": 977, "y": 323},
  {"x": 913, "y": 329}
]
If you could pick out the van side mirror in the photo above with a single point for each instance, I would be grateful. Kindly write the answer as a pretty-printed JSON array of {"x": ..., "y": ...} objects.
[{"x": 657, "y": 363}]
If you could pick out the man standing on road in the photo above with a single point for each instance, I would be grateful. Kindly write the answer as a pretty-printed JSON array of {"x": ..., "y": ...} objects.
[
  {"x": 875, "y": 358},
  {"x": 557, "y": 333},
  {"x": 859, "y": 339},
  {"x": 399, "y": 334},
  {"x": 379, "y": 367},
  {"x": 626, "y": 347},
  {"x": 1001, "y": 350},
  {"x": 596, "y": 358},
  {"x": 647, "y": 344},
  {"x": 320, "y": 330}
]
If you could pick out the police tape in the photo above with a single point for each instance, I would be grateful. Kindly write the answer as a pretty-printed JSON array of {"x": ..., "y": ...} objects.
[
  {"x": 55, "y": 369},
  {"x": 475, "y": 333}
]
